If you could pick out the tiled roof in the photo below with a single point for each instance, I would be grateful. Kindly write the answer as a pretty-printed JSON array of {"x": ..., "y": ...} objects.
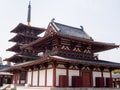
[
  {"x": 15, "y": 66},
  {"x": 23, "y": 26},
  {"x": 71, "y": 31},
  {"x": 100, "y": 63},
  {"x": 4, "y": 66},
  {"x": 91, "y": 62}
]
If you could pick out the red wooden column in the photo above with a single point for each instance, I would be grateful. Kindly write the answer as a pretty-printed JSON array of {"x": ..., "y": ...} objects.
[
  {"x": 102, "y": 74},
  {"x": 91, "y": 68},
  {"x": 45, "y": 76},
  {"x": 54, "y": 73},
  {"x": 102, "y": 69},
  {"x": 18, "y": 78},
  {"x": 80, "y": 66},
  {"x": 109, "y": 81},
  {"x": 38, "y": 76},
  {"x": 46, "y": 66},
  {"x": 92, "y": 78},
  {"x": 110, "y": 73},
  {"x": 13, "y": 78},
  {"x": 101, "y": 80},
  {"x": 67, "y": 73},
  {"x": 32, "y": 78},
  {"x": 26, "y": 80}
]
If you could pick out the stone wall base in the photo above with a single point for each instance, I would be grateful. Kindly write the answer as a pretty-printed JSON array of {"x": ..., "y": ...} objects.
[{"x": 55, "y": 88}]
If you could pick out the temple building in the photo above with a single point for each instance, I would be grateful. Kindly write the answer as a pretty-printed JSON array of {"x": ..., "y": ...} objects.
[
  {"x": 5, "y": 77},
  {"x": 116, "y": 80},
  {"x": 64, "y": 57}
]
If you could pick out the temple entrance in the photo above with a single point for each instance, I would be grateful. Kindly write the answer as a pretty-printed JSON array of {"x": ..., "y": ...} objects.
[
  {"x": 86, "y": 76},
  {"x": 23, "y": 77}
]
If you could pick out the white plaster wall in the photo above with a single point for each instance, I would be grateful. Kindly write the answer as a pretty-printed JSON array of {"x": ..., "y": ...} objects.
[
  {"x": 49, "y": 66},
  {"x": 49, "y": 77},
  {"x": 29, "y": 78},
  {"x": 42, "y": 78},
  {"x": 59, "y": 72},
  {"x": 61, "y": 66},
  {"x": 96, "y": 74},
  {"x": 72, "y": 73},
  {"x": 106, "y": 75},
  {"x": 35, "y": 78}
]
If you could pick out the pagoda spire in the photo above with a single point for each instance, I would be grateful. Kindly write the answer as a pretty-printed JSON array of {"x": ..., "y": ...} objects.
[{"x": 29, "y": 13}]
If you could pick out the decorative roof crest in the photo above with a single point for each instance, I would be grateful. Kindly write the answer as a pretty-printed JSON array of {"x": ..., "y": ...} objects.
[
  {"x": 53, "y": 19},
  {"x": 82, "y": 27}
]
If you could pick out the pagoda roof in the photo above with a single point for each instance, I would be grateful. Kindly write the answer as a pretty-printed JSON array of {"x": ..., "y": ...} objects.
[
  {"x": 59, "y": 59},
  {"x": 15, "y": 48},
  {"x": 19, "y": 58},
  {"x": 16, "y": 37},
  {"x": 21, "y": 26},
  {"x": 70, "y": 31}
]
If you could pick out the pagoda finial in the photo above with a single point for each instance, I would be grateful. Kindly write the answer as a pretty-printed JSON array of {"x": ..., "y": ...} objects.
[{"x": 29, "y": 13}]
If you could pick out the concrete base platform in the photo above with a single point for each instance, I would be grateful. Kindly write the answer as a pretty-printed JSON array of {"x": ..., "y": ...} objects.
[
  {"x": 55, "y": 88},
  {"x": 32, "y": 88}
]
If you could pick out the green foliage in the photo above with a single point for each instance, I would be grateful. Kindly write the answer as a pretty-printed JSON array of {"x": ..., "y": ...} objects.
[{"x": 116, "y": 71}]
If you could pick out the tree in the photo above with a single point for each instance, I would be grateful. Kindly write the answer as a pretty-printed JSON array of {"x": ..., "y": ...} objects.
[{"x": 116, "y": 71}]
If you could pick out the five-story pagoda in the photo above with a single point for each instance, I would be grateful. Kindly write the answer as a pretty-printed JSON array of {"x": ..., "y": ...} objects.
[{"x": 25, "y": 35}]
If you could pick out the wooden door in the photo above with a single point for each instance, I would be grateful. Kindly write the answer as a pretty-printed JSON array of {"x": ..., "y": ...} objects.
[
  {"x": 99, "y": 82},
  {"x": 63, "y": 81},
  {"x": 76, "y": 81},
  {"x": 1, "y": 81},
  {"x": 9, "y": 80},
  {"x": 109, "y": 82},
  {"x": 22, "y": 77},
  {"x": 86, "y": 79}
]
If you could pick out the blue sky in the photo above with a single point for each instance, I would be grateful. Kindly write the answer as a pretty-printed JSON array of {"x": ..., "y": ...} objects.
[{"x": 100, "y": 19}]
